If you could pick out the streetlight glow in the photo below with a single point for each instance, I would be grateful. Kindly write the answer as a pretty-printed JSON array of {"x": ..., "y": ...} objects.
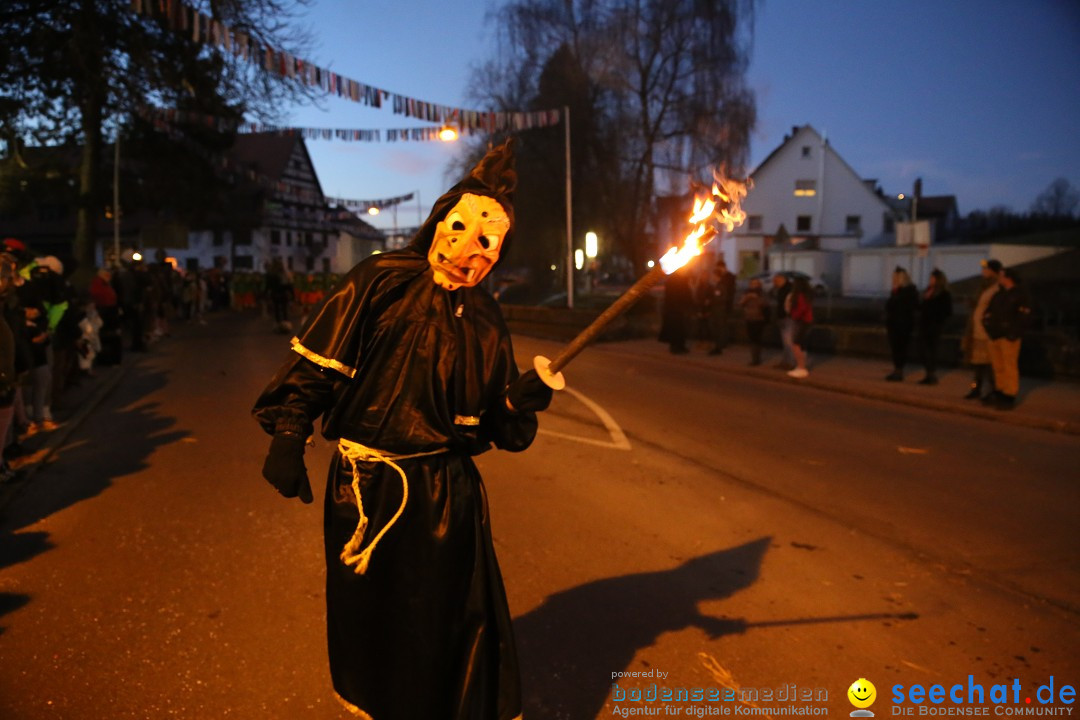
[
  {"x": 591, "y": 244},
  {"x": 448, "y": 133},
  {"x": 373, "y": 210},
  {"x": 651, "y": 264},
  {"x": 579, "y": 259}
]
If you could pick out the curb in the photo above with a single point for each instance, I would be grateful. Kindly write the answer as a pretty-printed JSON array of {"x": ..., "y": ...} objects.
[
  {"x": 1007, "y": 417},
  {"x": 10, "y": 491}
]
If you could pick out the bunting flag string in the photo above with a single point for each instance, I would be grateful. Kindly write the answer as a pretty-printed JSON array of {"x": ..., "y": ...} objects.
[
  {"x": 282, "y": 190},
  {"x": 182, "y": 18},
  {"x": 365, "y": 205},
  {"x": 415, "y": 134}
]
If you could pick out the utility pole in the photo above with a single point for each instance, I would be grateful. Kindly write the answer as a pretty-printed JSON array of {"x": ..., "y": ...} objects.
[
  {"x": 569, "y": 217},
  {"x": 116, "y": 200}
]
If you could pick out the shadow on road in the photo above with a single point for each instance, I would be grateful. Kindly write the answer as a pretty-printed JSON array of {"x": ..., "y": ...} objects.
[
  {"x": 575, "y": 639},
  {"x": 115, "y": 440}
]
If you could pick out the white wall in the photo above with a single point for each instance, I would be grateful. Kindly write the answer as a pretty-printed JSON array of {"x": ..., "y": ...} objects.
[{"x": 868, "y": 272}]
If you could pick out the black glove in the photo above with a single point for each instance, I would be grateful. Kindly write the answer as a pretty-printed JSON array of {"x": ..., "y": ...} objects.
[
  {"x": 284, "y": 467},
  {"x": 529, "y": 393}
]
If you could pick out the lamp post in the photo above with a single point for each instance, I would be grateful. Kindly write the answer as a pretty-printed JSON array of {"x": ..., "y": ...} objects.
[
  {"x": 569, "y": 216},
  {"x": 116, "y": 199}
]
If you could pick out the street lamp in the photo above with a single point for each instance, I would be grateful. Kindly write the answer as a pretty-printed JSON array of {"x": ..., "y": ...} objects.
[
  {"x": 591, "y": 245},
  {"x": 448, "y": 133},
  {"x": 373, "y": 211}
]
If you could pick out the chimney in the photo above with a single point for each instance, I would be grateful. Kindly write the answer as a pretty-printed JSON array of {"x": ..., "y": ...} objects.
[{"x": 918, "y": 188}]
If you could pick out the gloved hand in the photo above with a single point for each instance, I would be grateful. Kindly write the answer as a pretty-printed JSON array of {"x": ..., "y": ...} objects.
[
  {"x": 284, "y": 467},
  {"x": 528, "y": 393}
]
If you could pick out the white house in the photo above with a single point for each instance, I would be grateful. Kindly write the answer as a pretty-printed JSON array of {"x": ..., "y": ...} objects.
[{"x": 806, "y": 207}]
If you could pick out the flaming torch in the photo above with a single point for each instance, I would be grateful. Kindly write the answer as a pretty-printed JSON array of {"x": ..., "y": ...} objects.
[{"x": 726, "y": 193}]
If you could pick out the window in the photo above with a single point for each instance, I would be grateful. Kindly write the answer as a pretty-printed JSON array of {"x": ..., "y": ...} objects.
[
  {"x": 275, "y": 237},
  {"x": 308, "y": 240},
  {"x": 310, "y": 262},
  {"x": 753, "y": 223},
  {"x": 288, "y": 263},
  {"x": 806, "y": 151},
  {"x": 326, "y": 265},
  {"x": 890, "y": 223},
  {"x": 288, "y": 239},
  {"x": 853, "y": 224},
  {"x": 243, "y": 262},
  {"x": 802, "y": 223},
  {"x": 805, "y": 188},
  {"x": 192, "y": 264}
]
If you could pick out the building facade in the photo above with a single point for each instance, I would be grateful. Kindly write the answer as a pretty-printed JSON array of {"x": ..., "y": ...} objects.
[{"x": 807, "y": 206}]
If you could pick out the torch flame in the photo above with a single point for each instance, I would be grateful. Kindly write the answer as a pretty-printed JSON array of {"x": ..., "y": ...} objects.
[{"x": 730, "y": 193}]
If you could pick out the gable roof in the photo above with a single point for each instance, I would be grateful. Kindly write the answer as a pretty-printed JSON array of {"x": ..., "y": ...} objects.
[
  {"x": 267, "y": 152},
  {"x": 799, "y": 131}
]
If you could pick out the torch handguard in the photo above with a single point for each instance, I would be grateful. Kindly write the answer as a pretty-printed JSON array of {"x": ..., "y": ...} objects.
[{"x": 555, "y": 381}]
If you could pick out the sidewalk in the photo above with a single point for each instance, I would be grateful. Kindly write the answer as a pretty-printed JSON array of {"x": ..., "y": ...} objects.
[
  {"x": 76, "y": 403},
  {"x": 1043, "y": 404}
]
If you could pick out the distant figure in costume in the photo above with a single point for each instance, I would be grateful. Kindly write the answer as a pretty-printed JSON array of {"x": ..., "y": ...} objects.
[{"x": 409, "y": 364}]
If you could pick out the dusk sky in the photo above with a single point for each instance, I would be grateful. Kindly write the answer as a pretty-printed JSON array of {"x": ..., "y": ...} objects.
[{"x": 980, "y": 99}]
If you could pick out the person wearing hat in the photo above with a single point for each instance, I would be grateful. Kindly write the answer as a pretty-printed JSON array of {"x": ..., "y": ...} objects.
[
  {"x": 976, "y": 341},
  {"x": 1004, "y": 320},
  {"x": 409, "y": 363}
]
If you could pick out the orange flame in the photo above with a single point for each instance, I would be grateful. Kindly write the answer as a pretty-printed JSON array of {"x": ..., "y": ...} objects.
[{"x": 730, "y": 193}]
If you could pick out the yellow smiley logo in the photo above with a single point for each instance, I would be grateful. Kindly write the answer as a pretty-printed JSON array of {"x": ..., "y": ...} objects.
[{"x": 862, "y": 693}]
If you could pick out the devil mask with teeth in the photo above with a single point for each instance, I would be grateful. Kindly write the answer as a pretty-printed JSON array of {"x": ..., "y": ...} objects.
[{"x": 470, "y": 224}]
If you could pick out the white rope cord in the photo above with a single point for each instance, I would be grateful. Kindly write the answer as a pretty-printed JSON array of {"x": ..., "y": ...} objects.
[{"x": 354, "y": 452}]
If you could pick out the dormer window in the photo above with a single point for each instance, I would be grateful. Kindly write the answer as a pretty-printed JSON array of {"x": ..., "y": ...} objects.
[
  {"x": 805, "y": 188},
  {"x": 806, "y": 151}
]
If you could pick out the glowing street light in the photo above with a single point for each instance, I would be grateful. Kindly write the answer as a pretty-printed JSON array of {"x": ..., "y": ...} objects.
[
  {"x": 448, "y": 133},
  {"x": 579, "y": 259},
  {"x": 592, "y": 244},
  {"x": 373, "y": 211}
]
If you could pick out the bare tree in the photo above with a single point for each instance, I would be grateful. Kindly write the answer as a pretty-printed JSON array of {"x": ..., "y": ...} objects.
[
  {"x": 1058, "y": 200},
  {"x": 665, "y": 92}
]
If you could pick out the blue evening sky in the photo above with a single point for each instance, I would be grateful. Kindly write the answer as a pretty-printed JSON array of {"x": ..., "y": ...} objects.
[{"x": 980, "y": 99}]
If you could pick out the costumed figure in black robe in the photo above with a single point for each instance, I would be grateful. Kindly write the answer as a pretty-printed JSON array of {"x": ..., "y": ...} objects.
[{"x": 409, "y": 363}]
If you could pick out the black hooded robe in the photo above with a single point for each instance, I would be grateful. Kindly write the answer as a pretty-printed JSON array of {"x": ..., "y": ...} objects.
[{"x": 397, "y": 363}]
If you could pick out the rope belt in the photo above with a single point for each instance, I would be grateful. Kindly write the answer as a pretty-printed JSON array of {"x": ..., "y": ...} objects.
[{"x": 355, "y": 453}]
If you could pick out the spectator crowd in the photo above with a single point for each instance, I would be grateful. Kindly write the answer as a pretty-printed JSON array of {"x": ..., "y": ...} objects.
[
  {"x": 53, "y": 336},
  {"x": 699, "y": 304}
]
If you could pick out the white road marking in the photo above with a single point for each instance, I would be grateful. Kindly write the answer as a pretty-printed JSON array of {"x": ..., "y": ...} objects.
[{"x": 618, "y": 438}]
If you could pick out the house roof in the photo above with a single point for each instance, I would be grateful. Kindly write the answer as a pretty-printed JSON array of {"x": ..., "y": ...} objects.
[
  {"x": 356, "y": 226},
  {"x": 268, "y": 152},
  {"x": 796, "y": 132}
]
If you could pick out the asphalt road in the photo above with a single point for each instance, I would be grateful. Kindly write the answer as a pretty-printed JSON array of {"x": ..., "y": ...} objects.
[{"x": 724, "y": 531}]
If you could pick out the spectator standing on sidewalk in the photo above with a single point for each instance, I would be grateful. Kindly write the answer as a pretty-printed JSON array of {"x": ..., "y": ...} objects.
[
  {"x": 800, "y": 310},
  {"x": 754, "y": 307},
  {"x": 900, "y": 311},
  {"x": 934, "y": 310},
  {"x": 781, "y": 290},
  {"x": 31, "y": 296},
  {"x": 976, "y": 341},
  {"x": 678, "y": 307},
  {"x": 720, "y": 306},
  {"x": 1005, "y": 319},
  {"x": 11, "y": 321},
  {"x": 108, "y": 307}
]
